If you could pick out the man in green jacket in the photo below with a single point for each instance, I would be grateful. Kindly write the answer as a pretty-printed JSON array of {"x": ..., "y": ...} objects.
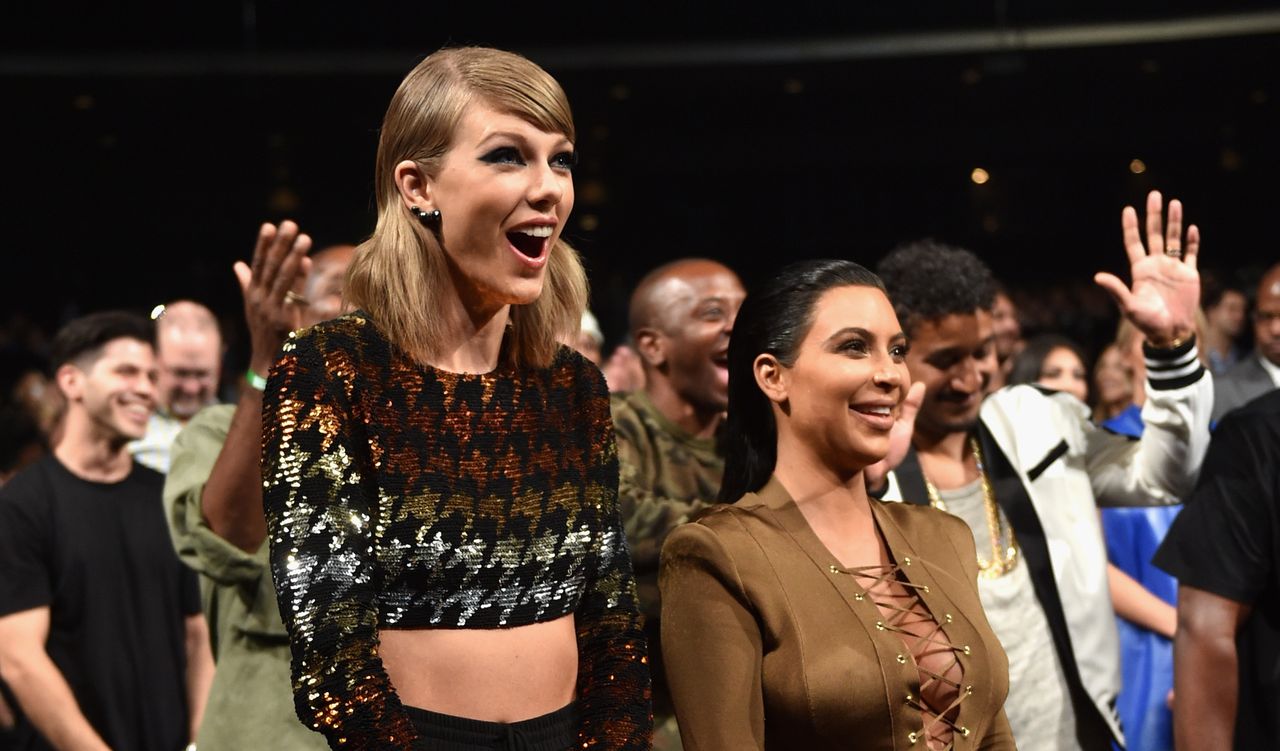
[
  {"x": 681, "y": 317},
  {"x": 213, "y": 496}
]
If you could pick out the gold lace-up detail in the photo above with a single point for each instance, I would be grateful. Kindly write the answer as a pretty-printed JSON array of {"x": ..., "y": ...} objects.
[{"x": 904, "y": 613}]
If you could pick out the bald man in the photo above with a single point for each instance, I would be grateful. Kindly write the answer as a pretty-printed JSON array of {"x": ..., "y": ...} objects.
[
  {"x": 1260, "y": 372},
  {"x": 189, "y": 353},
  {"x": 214, "y": 500},
  {"x": 680, "y": 319}
]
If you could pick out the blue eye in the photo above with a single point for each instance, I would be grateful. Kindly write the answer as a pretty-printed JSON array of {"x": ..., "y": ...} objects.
[
  {"x": 565, "y": 160},
  {"x": 503, "y": 155}
]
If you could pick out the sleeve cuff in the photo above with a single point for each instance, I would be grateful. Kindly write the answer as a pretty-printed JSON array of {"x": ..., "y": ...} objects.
[{"x": 1174, "y": 368}]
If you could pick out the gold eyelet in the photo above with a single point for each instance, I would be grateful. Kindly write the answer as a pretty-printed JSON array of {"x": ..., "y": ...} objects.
[
  {"x": 966, "y": 649},
  {"x": 906, "y": 560},
  {"x": 902, "y": 659},
  {"x": 964, "y": 732},
  {"x": 912, "y": 737},
  {"x": 858, "y": 596},
  {"x": 880, "y": 625}
]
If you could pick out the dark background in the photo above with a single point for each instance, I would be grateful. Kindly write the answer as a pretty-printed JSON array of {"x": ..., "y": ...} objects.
[{"x": 144, "y": 145}]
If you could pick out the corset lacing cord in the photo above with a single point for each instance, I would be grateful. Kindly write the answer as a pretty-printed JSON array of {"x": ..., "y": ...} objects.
[{"x": 933, "y": 641}]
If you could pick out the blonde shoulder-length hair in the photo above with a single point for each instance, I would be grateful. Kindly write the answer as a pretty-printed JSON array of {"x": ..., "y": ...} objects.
[{"x": 399, "y": 272}]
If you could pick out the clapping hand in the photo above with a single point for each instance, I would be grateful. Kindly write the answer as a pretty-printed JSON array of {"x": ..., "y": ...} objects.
[
  {"x": 899, "y": 439},
  {"x": 1166, "y": 286},
  {"x": 271, "y": 308}
]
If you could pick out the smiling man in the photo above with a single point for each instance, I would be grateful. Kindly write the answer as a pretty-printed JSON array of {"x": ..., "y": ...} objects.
[
  {"x": 101, "y": 636},
  {"x": 189, "y": 354},
  {"x": 1025, "y": 468},
  {"x": 681, "y": 317}
]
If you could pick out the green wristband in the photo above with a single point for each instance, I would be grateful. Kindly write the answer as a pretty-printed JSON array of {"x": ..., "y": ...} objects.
[{"x": 254, "y": 380}]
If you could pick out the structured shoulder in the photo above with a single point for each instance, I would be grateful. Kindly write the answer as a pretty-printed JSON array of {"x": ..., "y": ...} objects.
[
  {"x": 925, "y": 525},
  {"x": 352, "y": 329},
  {"x": 569, "y": 362},
  {"x": 215, "y": 419},
  {"x": 1028, "y": 402}
]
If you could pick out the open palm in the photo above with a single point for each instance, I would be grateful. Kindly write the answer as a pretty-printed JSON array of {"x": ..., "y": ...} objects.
[{"x": 1165, "y": 294}]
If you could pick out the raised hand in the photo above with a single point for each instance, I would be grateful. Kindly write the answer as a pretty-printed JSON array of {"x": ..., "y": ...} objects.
[
  {"x": 899, "y": 439},
  {"x": 271, "y": 308},
  {"x": 1166, "y": 285}
]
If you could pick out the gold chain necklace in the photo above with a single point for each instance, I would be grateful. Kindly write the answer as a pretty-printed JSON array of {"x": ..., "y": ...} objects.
[{"x": 1004, "y": 557}]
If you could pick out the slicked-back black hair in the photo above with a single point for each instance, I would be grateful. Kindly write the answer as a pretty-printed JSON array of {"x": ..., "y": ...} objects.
[
  {"x": 927, "y": 280},
  {"x": 84, "y": 337},
  {"x": 773, "y": 319}
]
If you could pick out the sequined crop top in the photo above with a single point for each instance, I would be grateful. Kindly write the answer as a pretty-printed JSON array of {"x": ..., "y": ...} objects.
[{"x": 401, "y": 496}]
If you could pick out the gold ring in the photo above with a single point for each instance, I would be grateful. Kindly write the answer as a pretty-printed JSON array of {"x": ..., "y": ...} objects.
[{"x": 293, "y": 298}]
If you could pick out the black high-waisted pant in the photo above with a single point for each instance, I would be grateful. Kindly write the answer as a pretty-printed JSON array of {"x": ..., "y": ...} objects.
[{"x": 557, "y": 731}]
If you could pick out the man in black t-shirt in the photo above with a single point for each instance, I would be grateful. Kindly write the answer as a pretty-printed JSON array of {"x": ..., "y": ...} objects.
[
  {"x": 1225, "y": 550},
  {"x": 101, "y": 637}
]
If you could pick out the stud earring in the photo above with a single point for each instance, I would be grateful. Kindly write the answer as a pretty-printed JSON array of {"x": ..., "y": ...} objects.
[{"x": 429, "y": 219}]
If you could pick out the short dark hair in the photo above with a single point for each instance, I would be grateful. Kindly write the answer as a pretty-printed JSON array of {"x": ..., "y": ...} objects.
[
  {"x": 773, "y": 319},
  {"x": 927, "y": 280},
  {"x": 83, "y": 339}
]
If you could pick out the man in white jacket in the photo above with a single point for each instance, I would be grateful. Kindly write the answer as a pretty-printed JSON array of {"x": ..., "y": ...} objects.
[{"x": 1026, "y": 468}]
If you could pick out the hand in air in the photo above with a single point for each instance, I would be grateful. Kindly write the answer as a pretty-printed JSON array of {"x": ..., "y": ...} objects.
[
  {"x": 899, "y": 439},
  {"x": 271, "y": 308},
  {"x": 1166, "y": 285}
]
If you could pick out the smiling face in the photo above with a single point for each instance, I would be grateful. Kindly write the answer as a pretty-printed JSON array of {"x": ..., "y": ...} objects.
[
  {"x": 1113, "y": 378},
  {"x": 189, "y": 371},
  {"x": 845, "y": 389},
  {"x": 955, "y": 358},
  {"x": 504, "y": 191},
  {"x": 116, "y": 391},
  {"x": 688, "y": 344},
  {"x": 1062, "y": 370}
]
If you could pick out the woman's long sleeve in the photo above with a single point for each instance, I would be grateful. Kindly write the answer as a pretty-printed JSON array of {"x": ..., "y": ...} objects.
[
  {"x": 319, "y": 519},
  {"x": 614, "y": 701},
  {"x": 711, "y": 644}
]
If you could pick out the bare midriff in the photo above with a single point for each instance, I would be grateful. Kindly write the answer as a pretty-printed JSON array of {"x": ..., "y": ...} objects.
[{"x": 495, "y": 675}]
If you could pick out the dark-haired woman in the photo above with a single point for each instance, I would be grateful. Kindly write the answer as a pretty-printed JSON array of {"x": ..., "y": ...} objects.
[
  {"x": 1054, "y": 362},
  {"x": 440, "y": 475},
  {"x": 806, "y": 615}
]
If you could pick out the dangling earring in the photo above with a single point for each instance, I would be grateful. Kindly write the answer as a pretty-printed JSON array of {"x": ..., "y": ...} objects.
[{"x": 430, "y": 219}]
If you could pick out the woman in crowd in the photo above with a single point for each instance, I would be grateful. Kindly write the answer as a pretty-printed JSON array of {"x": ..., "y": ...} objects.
[
  {"x": 1113, "y": 383},
  {"x": 1054, "y": 362},
  {"x": 805, "y": 614},
  {"x": 1143, "y": 595},
  {"x": 440, "y": 474}
]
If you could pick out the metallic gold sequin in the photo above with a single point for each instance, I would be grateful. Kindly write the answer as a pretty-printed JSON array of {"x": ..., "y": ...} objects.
[{"x": 399, "y": 496}]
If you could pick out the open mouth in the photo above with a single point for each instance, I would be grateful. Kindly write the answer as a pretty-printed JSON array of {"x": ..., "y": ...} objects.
[
  {"x": 531, "y": 242},
  {"x": 879, "y": 416},
  {"x": 721, "y": 362}
]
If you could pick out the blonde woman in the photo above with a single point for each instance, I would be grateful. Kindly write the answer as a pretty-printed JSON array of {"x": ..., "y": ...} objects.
[{"x": 440, "y": 474}]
